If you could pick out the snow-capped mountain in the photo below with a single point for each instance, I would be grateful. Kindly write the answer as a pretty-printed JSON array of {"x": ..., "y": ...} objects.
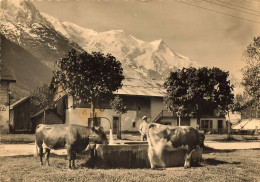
[
  {"x": 25, "y": 26},
  {"x": 148, "y": 59},
  {"x": 48, "y": 39}
]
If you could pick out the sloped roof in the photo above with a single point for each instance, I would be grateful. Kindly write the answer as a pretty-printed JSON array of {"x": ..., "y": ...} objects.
[
  {"x": 40, "y": 112},
  {"x": 6, "y": 72},
  {"x": 19, "y": 102},
  {"x": 143, "y": 87}
]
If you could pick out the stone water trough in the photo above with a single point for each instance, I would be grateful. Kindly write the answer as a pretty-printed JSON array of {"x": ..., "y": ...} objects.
[{"x": 135, "y": 155}]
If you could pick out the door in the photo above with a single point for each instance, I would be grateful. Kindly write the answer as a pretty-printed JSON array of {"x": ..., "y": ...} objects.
[
  {"x": 115, "y": 124},
  {"x": 220, "y": 125},
  {"x": 185, "y": 121}
]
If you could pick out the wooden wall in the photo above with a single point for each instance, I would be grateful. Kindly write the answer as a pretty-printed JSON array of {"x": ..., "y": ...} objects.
[{"x": 22, "y": 116}]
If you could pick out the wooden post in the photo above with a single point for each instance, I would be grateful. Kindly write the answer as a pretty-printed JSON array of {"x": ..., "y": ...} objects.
[
  {"x": 229, "y": 127},
  {"x": 44, "y": 117},
  {"x": 9, "y": 102}
]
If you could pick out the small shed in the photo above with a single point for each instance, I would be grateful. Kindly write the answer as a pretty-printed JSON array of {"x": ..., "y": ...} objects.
[{"x": 20, "y": 115}]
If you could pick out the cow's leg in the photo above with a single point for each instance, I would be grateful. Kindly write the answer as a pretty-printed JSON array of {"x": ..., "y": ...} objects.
[
  {"x": 188, "y": 157},
  {"x": 41, "y": 154},
  {"x": 159, "y": 154},
  {"x": 69, "y": 155},
  {"x": 155, "y": 158},
  {"x": 47, "y": 155},
  {"x": 151, "y": 157},
  {"x": 73, "y": 159}
]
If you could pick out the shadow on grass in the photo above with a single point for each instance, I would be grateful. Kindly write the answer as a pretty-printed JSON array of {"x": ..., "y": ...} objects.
[
  {"x": 207, "y": 150},
  {"x": 227, "y": 140},
  {"x": 215, "y": 162},
  {"x": 236, "y": 140}
]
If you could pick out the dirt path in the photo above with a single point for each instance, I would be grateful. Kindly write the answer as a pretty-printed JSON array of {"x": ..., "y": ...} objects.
[
  {"x": 23, "y": 149},
  {"x": 29, "y": 149}
]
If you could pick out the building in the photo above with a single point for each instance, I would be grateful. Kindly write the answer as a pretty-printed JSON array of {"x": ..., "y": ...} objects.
[
  {"x": 209, "y": 123},
  {"x": 20, "y": 115},
  {"x": 247, "y": 124},
  {"x": 142, "y": 97},
  {"x": 6, "y": 77},
  {"x": 47, "y": 116}
]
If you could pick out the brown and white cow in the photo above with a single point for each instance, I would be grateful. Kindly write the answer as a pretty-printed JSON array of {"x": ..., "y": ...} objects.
[
  {"x": 74, "y": 138},
  {"x": 164, "y": 141}
]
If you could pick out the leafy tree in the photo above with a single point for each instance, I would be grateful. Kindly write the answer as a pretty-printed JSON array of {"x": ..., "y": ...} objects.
[
  {"x": 244, "y": 104},
  {"x": 189, "y": 90},
  {"x": 42, "y": 97},
  {"x": 251, "y": 72},
  {"x": 241, "y": 102},
  {"x": 89, "y": 77},
  {"x": 119, "y": 107}
]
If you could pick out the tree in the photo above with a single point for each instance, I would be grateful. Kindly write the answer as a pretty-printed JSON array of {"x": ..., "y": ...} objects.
[
  {"x": 190, "y": 91},
  {"x": 42, "y": 97},
  {"x": 119, "y": 107},
  {"x": 89, "y": 77},
  {"x": 244, "y": 104},
  {"x": 241, "y": 102},
  {"x": 251, "y": 72}
]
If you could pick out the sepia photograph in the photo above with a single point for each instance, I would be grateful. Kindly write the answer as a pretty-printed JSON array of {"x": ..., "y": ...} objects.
[{"x": 129, "y": 90}]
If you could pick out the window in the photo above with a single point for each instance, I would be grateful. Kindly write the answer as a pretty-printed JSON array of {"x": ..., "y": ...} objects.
[
  {"x": 206, "y": 124},
  {"x": 134, "y": 124},
  {"x": 96, "y": 123},
  {"x": 210, "y": 124},
  {"x": 89, "y": 121}
]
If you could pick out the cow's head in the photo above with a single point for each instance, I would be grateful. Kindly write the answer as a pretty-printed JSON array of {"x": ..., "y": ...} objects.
[{"x": 98, "y": 136}]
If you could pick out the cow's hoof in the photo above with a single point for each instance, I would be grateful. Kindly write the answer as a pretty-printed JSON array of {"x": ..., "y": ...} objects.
[
  {"x": 186, "y": 167},
  {"x": 153, "y": 168},
  {"x": 41, "y": 164}
]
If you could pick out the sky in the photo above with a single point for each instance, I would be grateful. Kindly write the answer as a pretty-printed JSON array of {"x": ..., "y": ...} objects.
[{"x": 210, "y": 32}]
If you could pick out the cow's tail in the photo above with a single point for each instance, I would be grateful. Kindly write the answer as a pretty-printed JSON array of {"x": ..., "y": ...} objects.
[
  {"x": 36, "y": 149},
  {"x": 148, "y": 134}
]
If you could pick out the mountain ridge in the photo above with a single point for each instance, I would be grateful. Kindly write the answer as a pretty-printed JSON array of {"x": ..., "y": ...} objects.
[
  {"x": 132, "y": 52},
  {"x": 48, "y": 39}
]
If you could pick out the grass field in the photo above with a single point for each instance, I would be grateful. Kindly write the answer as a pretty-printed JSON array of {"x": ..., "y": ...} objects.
[
  {"x": 239, "y": 165},
  {"x": 217, "y": 165}
]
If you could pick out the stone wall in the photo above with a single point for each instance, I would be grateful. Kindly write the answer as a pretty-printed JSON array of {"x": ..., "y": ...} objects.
[{"x": 135, "y": 155}]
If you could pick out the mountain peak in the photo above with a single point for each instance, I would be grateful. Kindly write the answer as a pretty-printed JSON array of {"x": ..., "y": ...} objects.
[
  {"x": 116, "y": 31},
  {"x": 21, "y": 12},
  {"x": 158, "y": 44},
  {"x": 48, "y": 39}
]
